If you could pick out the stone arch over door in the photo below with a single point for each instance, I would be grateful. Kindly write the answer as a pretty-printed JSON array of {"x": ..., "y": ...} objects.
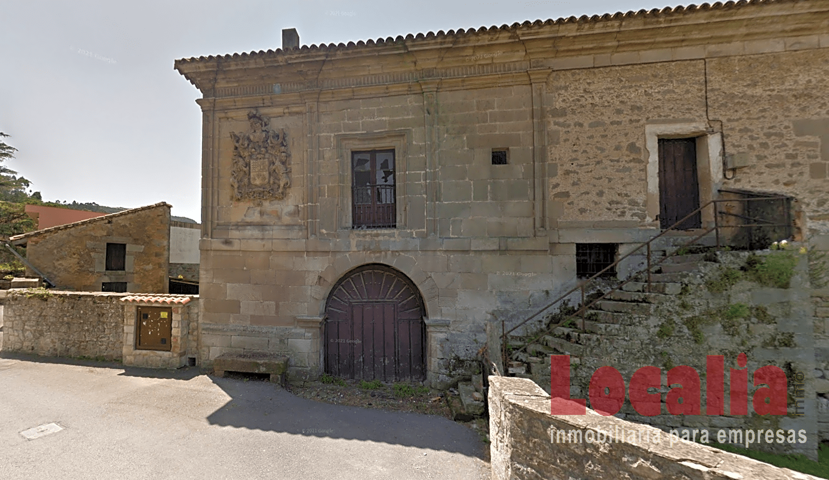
[{"x": 374, "y": 326}]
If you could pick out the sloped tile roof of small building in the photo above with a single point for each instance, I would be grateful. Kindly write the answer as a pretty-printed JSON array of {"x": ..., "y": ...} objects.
[
  {"x": 515, "y": 27},
  {"x": 17, "y": 238},
  {"x": 167, "y": 299}
]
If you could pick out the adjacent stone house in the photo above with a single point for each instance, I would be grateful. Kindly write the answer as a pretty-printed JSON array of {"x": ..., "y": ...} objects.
[
  {"x": 127, "y": 251},
  {"x": 369, "y": 208}
]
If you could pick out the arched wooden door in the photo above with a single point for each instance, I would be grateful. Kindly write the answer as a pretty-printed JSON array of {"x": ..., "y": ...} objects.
[{"x": 374, "y": 327}]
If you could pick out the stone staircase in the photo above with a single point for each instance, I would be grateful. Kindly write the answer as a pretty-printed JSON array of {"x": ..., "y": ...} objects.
[{"x": 629, "y": 305}]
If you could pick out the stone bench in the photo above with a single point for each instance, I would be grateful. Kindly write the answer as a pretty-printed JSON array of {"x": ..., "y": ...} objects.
[{"x": 263, "y": 363}]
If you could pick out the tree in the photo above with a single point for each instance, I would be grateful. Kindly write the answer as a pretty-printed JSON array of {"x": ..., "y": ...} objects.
[{"x": 12, "y": 187}]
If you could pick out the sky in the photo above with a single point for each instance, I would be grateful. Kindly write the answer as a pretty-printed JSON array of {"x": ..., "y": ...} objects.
[{"x": 92, "y": 103}]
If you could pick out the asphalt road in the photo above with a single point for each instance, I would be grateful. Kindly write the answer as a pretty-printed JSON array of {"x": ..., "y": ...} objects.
[{"x": 145, "y": 424}]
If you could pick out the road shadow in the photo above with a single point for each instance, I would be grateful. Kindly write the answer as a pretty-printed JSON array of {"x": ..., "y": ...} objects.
[
  {"x": 187, "y": 373},
  {"x": 265, "y": 406}
]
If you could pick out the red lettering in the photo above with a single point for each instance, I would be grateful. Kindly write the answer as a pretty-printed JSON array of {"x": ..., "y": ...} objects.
[
  {"x": 739, "y": 387},
  {"x": 647, "y": 404},
  {"x": 560, "y": 388},
  {"x": 775, "y": 391},
  {"x": 715, "y": 385},
  {"x": 688, "y": 391},
  {"x": 610, "y": 402}
]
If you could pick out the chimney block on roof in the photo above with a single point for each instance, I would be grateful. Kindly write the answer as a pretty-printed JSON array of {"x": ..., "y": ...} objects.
[{"x": 290, "y": 38}]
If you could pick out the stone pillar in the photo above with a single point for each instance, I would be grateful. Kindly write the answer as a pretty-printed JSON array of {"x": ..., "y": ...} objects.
[
  {"x": 313, "y": 332},
  {"x": 437, "y": 333}
]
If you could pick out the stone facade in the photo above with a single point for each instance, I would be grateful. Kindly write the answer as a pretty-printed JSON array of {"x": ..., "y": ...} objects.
[
  {"x": 73, "y": 256},
  {"x": 578, "y": 105},
  {"x": 529, "y": 443}
]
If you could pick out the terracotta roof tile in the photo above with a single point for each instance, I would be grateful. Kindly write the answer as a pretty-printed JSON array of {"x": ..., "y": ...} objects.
[
  {"x": 656, "y": 12},
  {"x": 168, "y": 299}
]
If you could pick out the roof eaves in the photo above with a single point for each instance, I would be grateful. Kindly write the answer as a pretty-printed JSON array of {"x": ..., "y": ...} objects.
[
  {"x": 21, "y": 239},
  {"x": 429, "y": 36}
]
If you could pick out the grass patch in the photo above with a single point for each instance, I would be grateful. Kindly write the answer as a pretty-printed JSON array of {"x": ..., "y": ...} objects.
[
  {"x": 38, "y": 293},
  {"x": 331, "y": 380},
  {"x": 403, "y": 390},
  {"x": 727, "y": 279},
  {"x": 666, "y": 360},
  {"x": 775, "y": 270},
  {"x": 780, "y": 340},
  {"x": 694, "y": 325},
  {"x": 666, "y": 329},
  {"x": 762, "y": 315},
  {"x": 372, "y": 385},
  {"x": 797, "y": 463}
]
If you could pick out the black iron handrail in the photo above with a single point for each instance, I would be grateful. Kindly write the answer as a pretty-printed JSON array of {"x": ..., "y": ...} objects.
[{"x": 582, "y": 286}]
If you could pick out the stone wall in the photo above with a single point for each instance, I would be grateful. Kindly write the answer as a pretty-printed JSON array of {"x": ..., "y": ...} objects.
[
  {"x": 527, "y": 443},
  {"x": 95, "y": 325},
  {"x": 74, "y": 256},
  {"x": 64, "y": 324}
]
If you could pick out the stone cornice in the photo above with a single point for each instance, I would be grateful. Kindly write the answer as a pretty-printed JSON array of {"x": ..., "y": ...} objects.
[{"x": 609, "y": 40}]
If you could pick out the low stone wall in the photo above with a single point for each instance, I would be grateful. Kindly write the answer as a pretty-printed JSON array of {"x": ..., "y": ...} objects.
[
  {"x": 95, "y": 325},
  {"x": 64, "y": 324},
  {"x": 529, "y": 443}
]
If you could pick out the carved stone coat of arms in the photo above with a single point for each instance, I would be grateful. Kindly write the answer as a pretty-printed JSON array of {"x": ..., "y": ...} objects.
[{"x": 261, "y": 162}]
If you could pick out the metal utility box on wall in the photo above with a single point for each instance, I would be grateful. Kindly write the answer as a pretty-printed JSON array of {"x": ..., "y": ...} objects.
[{"x": 154, "y": 327}]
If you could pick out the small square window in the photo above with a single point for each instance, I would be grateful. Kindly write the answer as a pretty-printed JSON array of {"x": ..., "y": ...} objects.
[
  {"x": 592, "y": 258},
  {"x": 120, "y": 287},
  {"x": 116, "y": 256},
  {"x": 500, "y": 156}
]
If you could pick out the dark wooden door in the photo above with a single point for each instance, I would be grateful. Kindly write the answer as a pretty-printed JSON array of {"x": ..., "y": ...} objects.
[
  {"x": 374, "y": 327},
  {"x": 678, "y": 183}
]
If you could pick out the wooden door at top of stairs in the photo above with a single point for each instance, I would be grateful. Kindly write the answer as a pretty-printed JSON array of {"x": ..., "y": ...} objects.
[{"x": 678, "y": 183}]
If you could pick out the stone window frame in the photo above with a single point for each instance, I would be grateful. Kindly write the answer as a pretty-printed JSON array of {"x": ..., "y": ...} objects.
[
  {"x": 174, "y": 358},
  {"x": 397, "y": 140},
  {"x": 709, "y": 146},
  {"x": 99, "y": 248}
]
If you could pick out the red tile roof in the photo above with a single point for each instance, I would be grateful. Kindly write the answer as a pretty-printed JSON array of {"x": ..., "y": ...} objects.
[
  {"x": 656, "y": 12},
  {"x": 159, "y": 298}
]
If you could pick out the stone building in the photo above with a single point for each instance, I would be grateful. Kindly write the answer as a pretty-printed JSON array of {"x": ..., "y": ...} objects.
[
  {"x": 127, "y": 251},
  {"x": 369, "y": 208}
]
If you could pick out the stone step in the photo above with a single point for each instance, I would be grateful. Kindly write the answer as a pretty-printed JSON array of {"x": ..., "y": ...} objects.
[
  {"x": 667, "y": 288},
  {"x": 515, "y": 367},
  {"x": 457, "y": 409},
  {"x": 688, "y": 258},
  {"x": 678, "y": 277},
  {"x": 539, "y": 350},
  {"x": 679, "y": 267},
  {"x": 472, "y": 400},
  {"x": 613, "y": 318},
  {"x": 624, "y": 307},
  {"x": 564, "y": 346},
  {"x": 641, "y": 297}
]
